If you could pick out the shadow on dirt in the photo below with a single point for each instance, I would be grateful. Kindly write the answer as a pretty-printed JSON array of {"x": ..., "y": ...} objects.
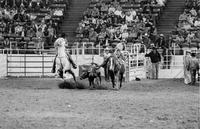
[{"x": 80, "y": 85}]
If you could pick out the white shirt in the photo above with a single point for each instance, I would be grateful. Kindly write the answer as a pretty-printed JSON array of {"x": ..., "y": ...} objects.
[
  {"x": 123, "y": 27},
  {"x": 118, "y": 12},
  {"x": 197, "y": 23},
  {"x": 60, "y": 47},
  {"x": 106, "y": 55},
  {"x": 129, "y": 18},
  {"x": 120, "y": 46},
  {"x": 125, "y": 35}
]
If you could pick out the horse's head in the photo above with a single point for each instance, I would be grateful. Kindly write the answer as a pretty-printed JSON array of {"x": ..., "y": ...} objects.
[{"x": 111, "y": 63}]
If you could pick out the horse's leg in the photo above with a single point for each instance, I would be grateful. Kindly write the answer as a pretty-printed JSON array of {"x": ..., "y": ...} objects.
[
  {"x": 117, "y": 80},
  {"x": 112, "y": 76},
  {"x": 100, "y": 79},
  {"x": 90, "y": 83},
  {"x": 72, "y": 73},
  {"x": 57, "y": 68},
  {"x": 121, "y": 79},
  {"x": 93, "y": 85}
]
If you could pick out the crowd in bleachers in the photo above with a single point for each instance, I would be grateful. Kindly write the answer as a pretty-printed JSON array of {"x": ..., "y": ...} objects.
[
  {"x": 112, "y": 21},
  {"x": 187, "y": 31},
  {"x": 30, "y": 23}
]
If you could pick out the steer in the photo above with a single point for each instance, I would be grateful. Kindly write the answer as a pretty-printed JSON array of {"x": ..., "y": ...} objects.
[{"x": 93, "y": 74}]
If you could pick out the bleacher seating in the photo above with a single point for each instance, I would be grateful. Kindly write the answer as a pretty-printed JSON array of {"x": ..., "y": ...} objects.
[
  {"x": 187, "y": 31},
  {"x": 20, "y": 25},
  {"x": 120, "y": 20}
]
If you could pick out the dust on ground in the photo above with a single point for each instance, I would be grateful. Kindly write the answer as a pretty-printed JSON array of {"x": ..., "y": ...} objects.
[{"x": 32, "y": 103}]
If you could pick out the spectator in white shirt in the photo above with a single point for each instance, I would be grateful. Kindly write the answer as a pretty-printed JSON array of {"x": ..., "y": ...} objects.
[
  {"x": 125, "y": 34},
  {"x": 123, "y": 27},
  {"x": 197, "y": 23}
]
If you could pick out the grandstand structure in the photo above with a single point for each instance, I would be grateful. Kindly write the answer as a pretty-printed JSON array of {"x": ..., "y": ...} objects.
[{"x": 28, "y": 30}]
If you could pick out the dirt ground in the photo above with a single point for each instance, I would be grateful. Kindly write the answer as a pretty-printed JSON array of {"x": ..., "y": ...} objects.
[{"x": 147, "y": 104}]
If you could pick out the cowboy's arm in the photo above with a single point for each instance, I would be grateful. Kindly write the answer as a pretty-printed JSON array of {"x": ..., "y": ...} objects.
[
  {"x": 105, "y": 62},
  {"x": 56, "y": 46}
]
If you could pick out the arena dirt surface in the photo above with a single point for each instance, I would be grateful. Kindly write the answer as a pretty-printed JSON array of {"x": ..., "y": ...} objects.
[{"x": 148, "y": 104}]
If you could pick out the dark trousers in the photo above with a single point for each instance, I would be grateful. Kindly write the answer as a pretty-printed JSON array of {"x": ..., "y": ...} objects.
[
  {"x": 193, "y": 73},
  {"x": 106, "y": 73},
  {"x": 155, "y": 68}
]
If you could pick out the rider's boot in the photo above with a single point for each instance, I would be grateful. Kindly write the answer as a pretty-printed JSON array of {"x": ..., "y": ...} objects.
[
  {"x": 72, "y": 62},
  {"x": 53, "y": 70}
]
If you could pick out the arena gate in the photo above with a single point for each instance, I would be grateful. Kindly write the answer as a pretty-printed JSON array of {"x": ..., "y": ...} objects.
[
  {"x": 34, "y": 64},
  {"x": 135, "y": 62}
]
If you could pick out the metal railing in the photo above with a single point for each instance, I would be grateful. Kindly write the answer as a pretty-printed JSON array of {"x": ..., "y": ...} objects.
[{"x": 29, "y": 64}]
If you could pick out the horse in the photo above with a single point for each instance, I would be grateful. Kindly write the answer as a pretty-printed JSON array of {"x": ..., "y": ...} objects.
[
  {"x": 63, "y": 66},
  {"x": 116, "y": 70},
  {"x": 93, "y": 74}
]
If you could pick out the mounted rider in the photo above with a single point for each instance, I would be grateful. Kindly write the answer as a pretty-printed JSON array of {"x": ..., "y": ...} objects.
[
  {"x": 106, "y": 55},
  {"x": 120, "y": 47},
  {"x": 60, "y": 46}
]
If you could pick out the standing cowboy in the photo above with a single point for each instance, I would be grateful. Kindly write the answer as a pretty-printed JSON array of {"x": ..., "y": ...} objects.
[
  {"x": 117, "y": 53},
  {"x": 187, "y": 75},
  {"x": 106, "y": 55},
  {"x": 193, "y": 67},
  {"x": 155, "y": 59},
  {"x": 119, "y": 48},
  {"x": 59, "y": 45}
]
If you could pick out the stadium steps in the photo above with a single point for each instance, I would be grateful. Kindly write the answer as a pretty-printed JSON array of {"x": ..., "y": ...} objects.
[
  {"x": 73, "y": 17},
  {"x": 170, "y": 15}
]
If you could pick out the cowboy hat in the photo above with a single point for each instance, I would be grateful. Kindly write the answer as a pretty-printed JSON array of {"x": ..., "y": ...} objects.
[
  {"x": 162, "y": 35},
  {"x": 189, "y": 51},
  {"x": 107, "y": 49}
]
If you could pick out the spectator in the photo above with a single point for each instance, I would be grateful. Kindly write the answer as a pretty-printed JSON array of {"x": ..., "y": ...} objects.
[
  {"x": 6, "y": 43},
  {"x": 146, "y": 40},
  {"x": 117, "y": 35},
  {"x": 30, "y": 33},
  {"x": 193, "y": 68},
  {"x": 40, "y": 36},
  {"x": 197, "y": 22},
  {"x": 160, "y": 42},
  {"x": 125, "y": 35},
  {"x": 92, "y": 35}
]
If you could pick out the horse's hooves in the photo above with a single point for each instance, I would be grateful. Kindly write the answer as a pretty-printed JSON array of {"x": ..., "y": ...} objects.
[
  {"x": 91, "y": 88},
  {"x": 115, "y": 89}
]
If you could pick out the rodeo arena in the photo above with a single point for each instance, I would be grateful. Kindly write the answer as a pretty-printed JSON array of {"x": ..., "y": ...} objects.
[{"x": 99, "y": 64}]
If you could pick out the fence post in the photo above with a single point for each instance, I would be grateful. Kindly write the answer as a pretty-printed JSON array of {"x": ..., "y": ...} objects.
[
  {"x": 99, "y": 49},
  {"x": 7, "y": 64},
  {"x": 43, "y": 64},
  {"x": 137, "y": 47},
  {"x": 25, "y": 64}
]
